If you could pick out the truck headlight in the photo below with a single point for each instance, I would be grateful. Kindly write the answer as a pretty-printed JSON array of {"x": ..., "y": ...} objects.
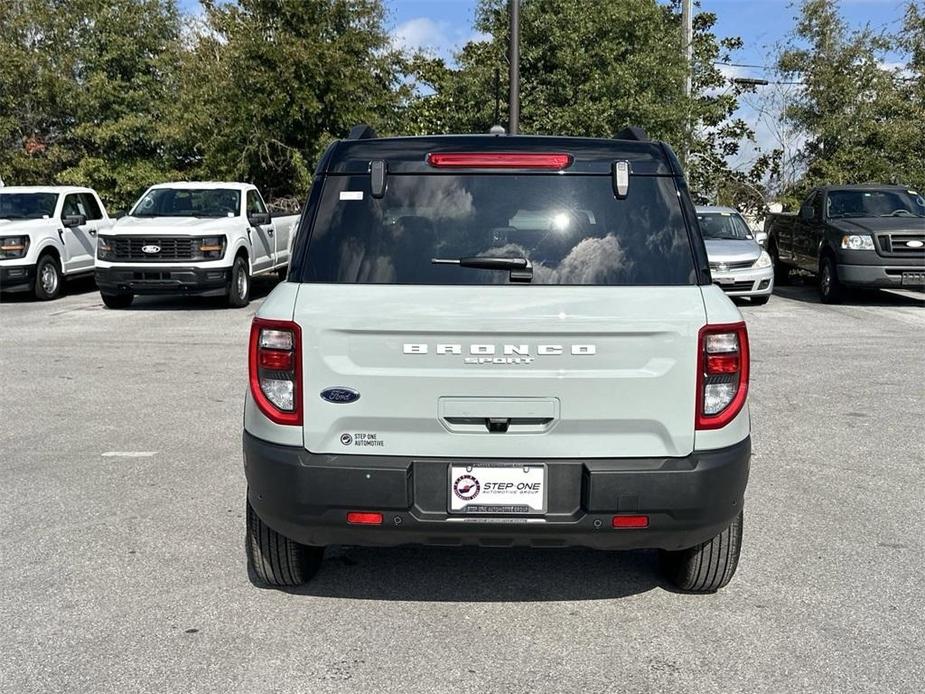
[
  {"x": 13, "y": 247},
  {"x": 764, "y": 260},
  {"x": 105, "y": 249},
  {"x": 857, "y": 242},
  {"x": 209, "y": 247}
]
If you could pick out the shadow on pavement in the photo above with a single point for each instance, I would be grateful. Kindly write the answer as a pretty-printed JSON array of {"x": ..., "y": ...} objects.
[
  {"x": 470, "y": 574},
  {"x": 260, "y": 287},
  {"x": 807, "y": 293}
]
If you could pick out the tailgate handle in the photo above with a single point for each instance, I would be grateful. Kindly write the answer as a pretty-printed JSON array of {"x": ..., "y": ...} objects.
[{"x": 499, "y": 425}]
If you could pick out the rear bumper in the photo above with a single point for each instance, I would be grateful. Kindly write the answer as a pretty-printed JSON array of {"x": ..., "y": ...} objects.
[
  {"x": 17, "y": 278},
  {"x": 162, "y": 280},
  {"x": 883, "y": 276},
  {"x": 306, "y": 497}
]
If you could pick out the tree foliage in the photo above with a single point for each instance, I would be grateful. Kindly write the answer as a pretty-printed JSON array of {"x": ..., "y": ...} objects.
[
  {"x": 863, "y": 119},
  {"x": 119, "y": 94},
  {"x": 270, "y": 83}
]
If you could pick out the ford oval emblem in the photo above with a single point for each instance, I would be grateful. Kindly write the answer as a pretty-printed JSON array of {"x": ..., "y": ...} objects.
[
  {"x": 915, "y": 244},
  {"x": 340, "y": 395},
  {"x": 150, "y": 249}
]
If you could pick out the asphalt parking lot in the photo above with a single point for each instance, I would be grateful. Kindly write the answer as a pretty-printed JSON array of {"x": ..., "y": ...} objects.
[{"x": 122, "y": 569}]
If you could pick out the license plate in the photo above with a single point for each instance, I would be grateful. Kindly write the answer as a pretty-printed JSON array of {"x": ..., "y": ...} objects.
[
  {"x": 724, "y": 280},
  {"x": 502, "y": 488},
  {"x": 913, "y": 278}
]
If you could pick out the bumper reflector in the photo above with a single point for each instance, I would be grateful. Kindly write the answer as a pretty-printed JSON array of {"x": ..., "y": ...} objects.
[
  {"x": 364, "y": 518},
  {"x": 630, "y": 522}
]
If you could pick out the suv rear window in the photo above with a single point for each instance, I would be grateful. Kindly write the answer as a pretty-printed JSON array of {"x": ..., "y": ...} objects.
[{"x": 571, "y": 228}]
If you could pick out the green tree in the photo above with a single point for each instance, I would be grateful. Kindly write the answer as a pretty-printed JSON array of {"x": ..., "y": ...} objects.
[
  {"x": 269, "y": 83},
  {"x": 84, "y": 90},
  {"x": 862, "y": 120},
  {"x": 589, "y": 69}
]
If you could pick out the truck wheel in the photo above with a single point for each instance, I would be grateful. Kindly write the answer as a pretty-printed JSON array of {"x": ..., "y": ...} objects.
[
  {"x": 239, "y": 286},
  {"x": 117, "y": 300},
  {"x": 830, "y": 289},
  {"x": 47, "y": 278},
  {"x": 276, "y": 560},
  {"x": 709, "y": 566}
]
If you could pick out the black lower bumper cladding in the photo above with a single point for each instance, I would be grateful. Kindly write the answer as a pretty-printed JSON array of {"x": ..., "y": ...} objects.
[
  {"x": 18, "y": 278},
  {"x": 160, "y": 280},
  {"x": 307, "y": 497}
]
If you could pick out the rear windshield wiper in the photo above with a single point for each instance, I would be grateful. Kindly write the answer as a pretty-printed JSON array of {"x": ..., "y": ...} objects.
[{"x": 520, "y": 268}]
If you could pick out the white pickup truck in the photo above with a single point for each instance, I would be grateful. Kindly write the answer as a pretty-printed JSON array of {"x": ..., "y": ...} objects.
[
  {"x": 207, "y": 239},
  {"x": 47, "y": 233}
]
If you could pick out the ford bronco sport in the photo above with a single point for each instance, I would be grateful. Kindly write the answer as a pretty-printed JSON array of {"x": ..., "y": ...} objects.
[{"x": 499, "y": 341}]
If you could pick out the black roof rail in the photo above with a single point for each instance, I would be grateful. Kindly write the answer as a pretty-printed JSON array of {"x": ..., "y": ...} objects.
[
  {"x": 361, "y": 132},
  {"x": 633, "y": 132}
]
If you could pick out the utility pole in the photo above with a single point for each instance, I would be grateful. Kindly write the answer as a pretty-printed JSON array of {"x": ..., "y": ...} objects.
[
  {"x": 513, "y": 122},
  {"x": 687, "y": 43}
]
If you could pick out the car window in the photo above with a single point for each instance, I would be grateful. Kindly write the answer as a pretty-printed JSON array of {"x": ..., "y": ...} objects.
[
  {"x": 875, "y": 203},
  {"x": 723, "y": 225},
  {"x": 73, "y": 205},
  {"x": 255, "y": 203},
  {"x": 571, "y": 228},
  {"x": 208, "y": 203},
  {"x": 27, "y": 205},
  {"x": 91, "y": 206}
]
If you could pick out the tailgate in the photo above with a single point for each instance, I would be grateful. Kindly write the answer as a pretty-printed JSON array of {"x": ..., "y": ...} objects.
[{"x": 500, "y": 371}]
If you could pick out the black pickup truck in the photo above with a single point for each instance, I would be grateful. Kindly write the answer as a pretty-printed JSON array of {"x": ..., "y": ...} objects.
[{"x": 852, "y": 236}]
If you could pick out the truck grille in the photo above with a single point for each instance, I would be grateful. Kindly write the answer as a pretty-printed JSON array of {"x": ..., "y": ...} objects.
[
  {"x": 897, "y": 245},
  {"x": 129, "y": 248}
]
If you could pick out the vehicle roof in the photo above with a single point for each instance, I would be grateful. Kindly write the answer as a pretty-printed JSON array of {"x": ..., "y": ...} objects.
[
  {"x": 45, "y": 189},
  {"x": 204, "y": 185},
  {"x": 715, "y": 209},
  {"x": 408, "y": 154},
  {"x": 863, "y": 186}
]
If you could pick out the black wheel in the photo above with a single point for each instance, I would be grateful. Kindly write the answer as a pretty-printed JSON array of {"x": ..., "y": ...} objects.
[
  {"x": 239, "y": 285},
  {"x": 781, "y": 271},
  {"x": 831, "y": 290},
  {"x": 117, "y": 300},
  {"x": 47, "y": 278},
  {"x": 709, "y": 566},
  {"x": 276, "y": 560},
  {"x": 760, "y": 300}
]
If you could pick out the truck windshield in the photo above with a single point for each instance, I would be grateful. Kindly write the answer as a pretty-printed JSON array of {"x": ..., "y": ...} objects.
[
  {"x": 186, "y": 202},
  {"x": 875, "y": 203},
  {"x": 27, "y": 205},
  {"x": 723, "y": 225},
  {"x": 571, "y": 229}
]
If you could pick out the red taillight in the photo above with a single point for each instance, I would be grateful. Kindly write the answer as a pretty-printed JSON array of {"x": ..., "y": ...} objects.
[
  {"x": 722, "y": 374},
  {"x": 553, "y": 161},
  {"x": 630, "y": 522},
  {"x": 364, "y": 518},
  {"x": 275, "y": 370},
  {"x": 276, "y": 359}
]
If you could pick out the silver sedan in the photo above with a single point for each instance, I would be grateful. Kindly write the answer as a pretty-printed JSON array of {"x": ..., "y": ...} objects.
[{"x": 737, "y": 263}]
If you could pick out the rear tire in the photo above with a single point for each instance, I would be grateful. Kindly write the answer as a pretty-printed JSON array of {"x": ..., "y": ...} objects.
[
  {"x": 48, "y": 278},
  {"x": 709, "y": 566},
  {"x": 831, "y": 290},
  {"x": 760, "y": 300},
  {"x": 117, "y": 301},
  {"x": 239, "y": 285},
  {"x": 275, "y": 559}
]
